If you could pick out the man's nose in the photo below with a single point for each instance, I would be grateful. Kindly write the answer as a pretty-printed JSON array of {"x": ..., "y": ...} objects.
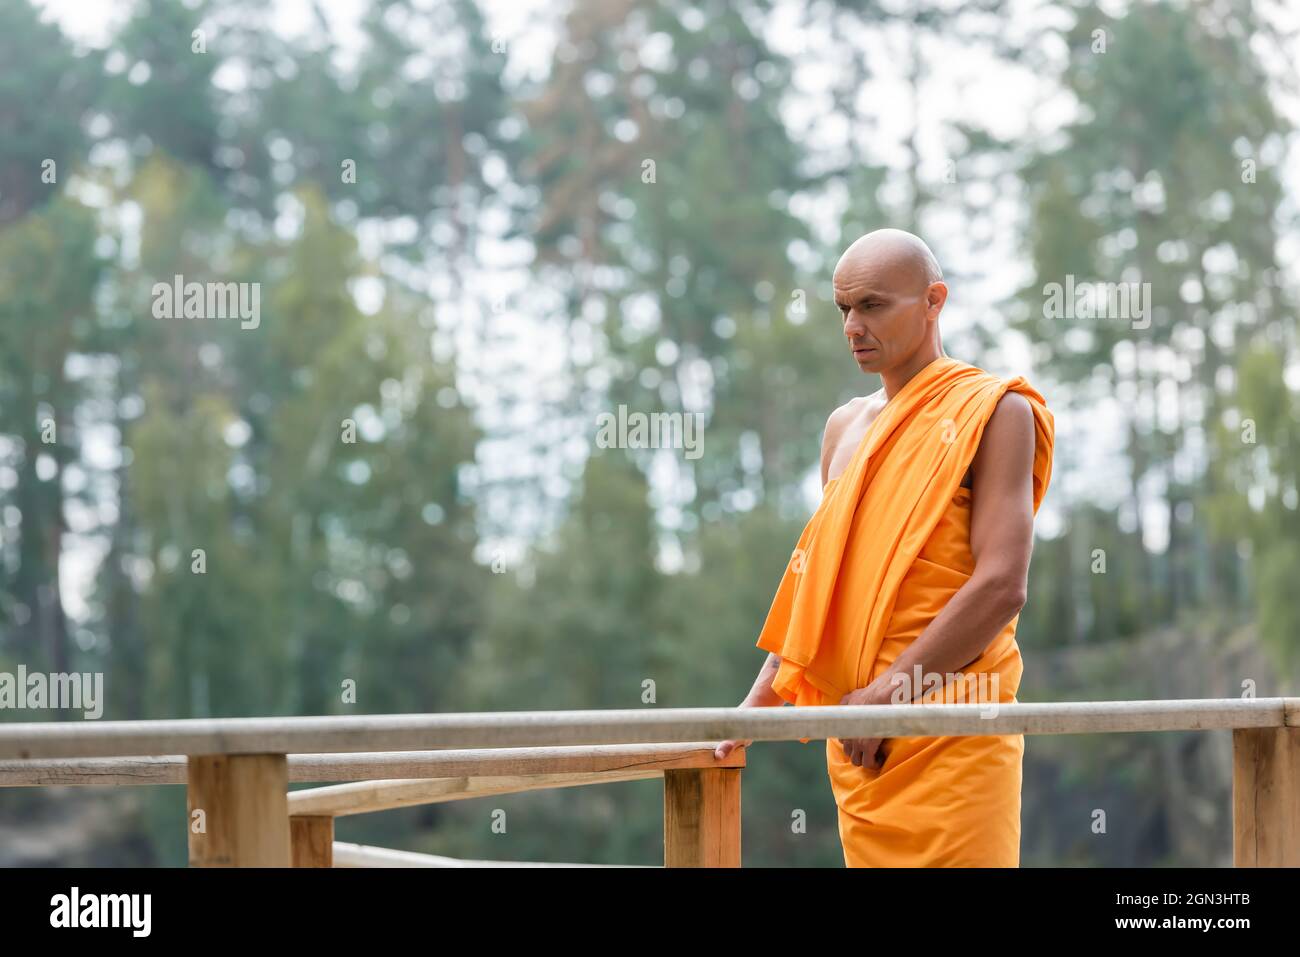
[{"x": 854, "y": 325}]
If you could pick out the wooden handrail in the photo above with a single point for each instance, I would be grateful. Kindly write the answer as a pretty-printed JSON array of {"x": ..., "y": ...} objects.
[
  {"x": 363, "y": 855},
  {"x": 380, "y": 766},
  {"x": 237, "y": 770},
  {"x": 338, "y": 800},
  {"x": 418, "y": 732}
]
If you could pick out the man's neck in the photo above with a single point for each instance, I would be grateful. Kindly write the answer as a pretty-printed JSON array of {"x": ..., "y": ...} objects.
[{"x": 895, "y": 379}]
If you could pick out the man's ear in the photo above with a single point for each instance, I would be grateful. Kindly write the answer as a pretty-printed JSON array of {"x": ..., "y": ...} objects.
[{"x": 936, "y": 294}]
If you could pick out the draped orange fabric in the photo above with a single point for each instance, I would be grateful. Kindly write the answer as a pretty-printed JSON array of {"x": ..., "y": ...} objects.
[{"x": 885, "y": 551}]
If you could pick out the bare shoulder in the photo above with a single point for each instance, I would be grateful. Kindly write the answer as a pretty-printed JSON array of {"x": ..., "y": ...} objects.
[
  {"x": 843, "y": 413},
  {"x": 850, "y": 419},
  {"x": 1008, "y": 437},
  {"x": 1013, "y": 415},
  {"x": 855, "y": 410}
]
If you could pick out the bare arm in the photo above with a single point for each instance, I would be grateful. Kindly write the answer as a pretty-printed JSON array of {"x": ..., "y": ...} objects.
[
  {"x": 762, "y": 695},
  {"x": 1002, "y": 538}
]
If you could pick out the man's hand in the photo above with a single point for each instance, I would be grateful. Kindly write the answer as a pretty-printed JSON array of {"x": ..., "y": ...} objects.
[
  {"x": 726, "y": 747},
  {"x": 866, "y": 752},
  {"x": 760, "y": 696}
]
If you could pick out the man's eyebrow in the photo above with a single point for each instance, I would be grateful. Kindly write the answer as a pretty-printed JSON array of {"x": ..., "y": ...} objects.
[{"x": 869, "y": 294}]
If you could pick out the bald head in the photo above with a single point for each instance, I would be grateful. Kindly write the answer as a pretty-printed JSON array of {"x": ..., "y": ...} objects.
[
  {"x": 895, "y": 252},
  {"x": 889, "y": 290}
]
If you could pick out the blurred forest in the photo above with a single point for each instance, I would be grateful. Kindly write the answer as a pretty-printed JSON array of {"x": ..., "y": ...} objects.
[{"x": 469, "y": 262}]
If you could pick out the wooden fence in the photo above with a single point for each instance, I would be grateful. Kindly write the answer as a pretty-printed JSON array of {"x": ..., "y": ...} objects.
[{"x": 237, "y": 770}]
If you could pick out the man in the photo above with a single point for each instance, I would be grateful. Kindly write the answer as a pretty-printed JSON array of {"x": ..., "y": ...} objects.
[{"x": 915, "y": 564}]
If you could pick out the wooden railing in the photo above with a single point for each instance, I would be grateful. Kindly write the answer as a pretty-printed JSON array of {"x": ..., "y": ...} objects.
[{"x": 237, "y": 770}]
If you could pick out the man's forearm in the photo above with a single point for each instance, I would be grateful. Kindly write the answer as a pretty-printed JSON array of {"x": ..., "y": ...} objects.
[
  {"x": 762, "y": 695},
  {"x": 956, "y": 636}
]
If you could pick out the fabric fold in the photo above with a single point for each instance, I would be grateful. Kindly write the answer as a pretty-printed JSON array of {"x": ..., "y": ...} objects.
[{"x": 837, "y": 593}]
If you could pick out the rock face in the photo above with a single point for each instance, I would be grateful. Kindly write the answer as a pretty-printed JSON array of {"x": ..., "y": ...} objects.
[{"x": 1163, "y": 799}]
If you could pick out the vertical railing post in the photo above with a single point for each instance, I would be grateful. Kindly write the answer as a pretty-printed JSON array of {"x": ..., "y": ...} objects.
[
  {"x": 312, "y": 837},
  {"x": 1266, "y": 797},
  {"x": 238, "y": 810},
  {"x": 702, "y": 817}
]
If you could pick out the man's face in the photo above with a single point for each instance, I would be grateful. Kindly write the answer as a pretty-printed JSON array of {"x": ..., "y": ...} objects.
[{"x": 884, "y": 309}]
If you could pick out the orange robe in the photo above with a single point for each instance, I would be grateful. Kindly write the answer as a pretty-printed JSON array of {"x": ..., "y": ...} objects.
[{"x": 884, "y": 552}]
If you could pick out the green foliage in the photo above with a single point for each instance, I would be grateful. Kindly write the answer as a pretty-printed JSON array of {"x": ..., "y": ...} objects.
[{"x": 239, "y": 521}]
